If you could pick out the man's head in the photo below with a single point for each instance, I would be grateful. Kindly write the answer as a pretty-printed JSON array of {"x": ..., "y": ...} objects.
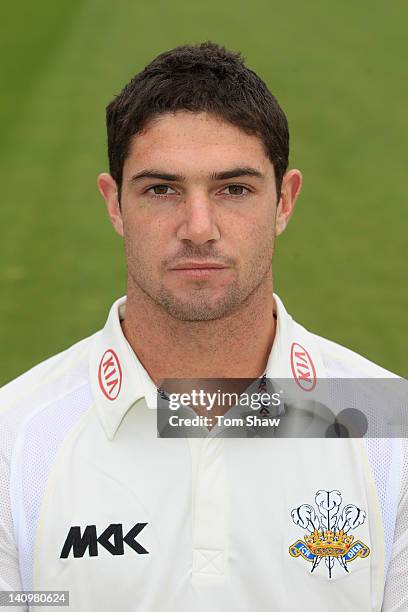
[
  {"x": 198, "y": 152},
  {"x": 204, "y": 78}
]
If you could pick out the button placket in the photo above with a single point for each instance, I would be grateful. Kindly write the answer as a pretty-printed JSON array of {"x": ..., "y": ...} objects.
[{"x": 210, "y": 507}]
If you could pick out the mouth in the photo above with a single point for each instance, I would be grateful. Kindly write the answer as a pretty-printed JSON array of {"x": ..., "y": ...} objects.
[
  {"x": 198, "y": 269},
  {"x": 199, "y": 265}
]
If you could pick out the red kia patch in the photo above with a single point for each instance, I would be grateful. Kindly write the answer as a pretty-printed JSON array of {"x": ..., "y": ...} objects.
[
  {"x": 110, "y": 375},
  {"x": 303, "y": 368}
]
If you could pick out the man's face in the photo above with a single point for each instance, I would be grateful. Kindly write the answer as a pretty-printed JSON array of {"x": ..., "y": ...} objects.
[{"x": 198, "y": 209}]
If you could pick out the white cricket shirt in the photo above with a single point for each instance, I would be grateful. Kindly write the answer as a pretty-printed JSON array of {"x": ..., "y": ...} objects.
[{"x": 93, "y": 502}]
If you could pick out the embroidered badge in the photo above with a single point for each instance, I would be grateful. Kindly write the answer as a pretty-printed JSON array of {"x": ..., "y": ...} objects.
[
  {"x": 329, "y": 528},
  {"x": 110, "y": 374},
  {"x": 303, "y": 369}
]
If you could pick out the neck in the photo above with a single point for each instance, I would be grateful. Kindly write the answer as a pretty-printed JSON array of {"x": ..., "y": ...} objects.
[{"x": 236, "y": 346}]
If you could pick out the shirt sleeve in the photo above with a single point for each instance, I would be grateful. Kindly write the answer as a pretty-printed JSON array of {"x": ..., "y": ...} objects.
[
  {"x": 396, "y": 584},
  {"x": 9, "y": 566}
]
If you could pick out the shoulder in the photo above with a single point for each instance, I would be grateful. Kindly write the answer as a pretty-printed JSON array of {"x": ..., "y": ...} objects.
[
  {"x": 328, "y": 358},
  {"x": 51, "y": 383},
  {"x": 342, "y": 362}
]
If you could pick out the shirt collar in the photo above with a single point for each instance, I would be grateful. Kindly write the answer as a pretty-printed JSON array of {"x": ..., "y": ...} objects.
[
  {"x": 295, "y": 352},
  {"x": 119, "y": 380}
]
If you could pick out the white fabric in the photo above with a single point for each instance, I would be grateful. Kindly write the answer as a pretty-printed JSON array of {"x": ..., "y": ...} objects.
[
  {"x": 34, "y": 456},
  {"x": 70, "y": 454}
]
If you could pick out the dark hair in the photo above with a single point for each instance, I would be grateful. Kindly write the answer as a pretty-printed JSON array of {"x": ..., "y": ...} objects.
[{"x": 198, "y": 78}]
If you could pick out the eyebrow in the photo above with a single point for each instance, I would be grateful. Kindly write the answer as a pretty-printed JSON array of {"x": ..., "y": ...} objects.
[
  {"x": 216, "y": 176},
  {"x": 155, "y": 174},
  {"x": 235, "y": 172}
]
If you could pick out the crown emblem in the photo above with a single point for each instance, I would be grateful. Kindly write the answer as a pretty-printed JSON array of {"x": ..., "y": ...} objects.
[
  {"x": 329, "y": 528},
  {"x": 328, "y": 543}
]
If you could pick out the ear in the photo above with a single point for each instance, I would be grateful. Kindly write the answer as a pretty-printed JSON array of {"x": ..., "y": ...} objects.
[
  {"x": 109, "y": 191},
  {"x": 291, "y": 184}
]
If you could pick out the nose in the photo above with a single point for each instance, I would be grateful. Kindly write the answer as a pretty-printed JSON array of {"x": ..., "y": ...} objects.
[{"x": 198, "y": 223}]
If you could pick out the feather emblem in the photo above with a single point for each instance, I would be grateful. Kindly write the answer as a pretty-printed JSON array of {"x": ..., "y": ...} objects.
[{"x": 328, "y": 530}]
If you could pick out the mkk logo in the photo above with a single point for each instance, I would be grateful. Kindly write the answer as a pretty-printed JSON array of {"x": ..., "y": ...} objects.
[
  {"x": 79, "y": 542},
  {"x": 302, "y": 367},
  {"x": 110, "y": 374}
]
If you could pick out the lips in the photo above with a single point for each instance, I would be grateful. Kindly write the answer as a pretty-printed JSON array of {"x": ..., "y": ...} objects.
[
  {"x": 206, "y": 265},
  {"x": 198, "y": 270}
]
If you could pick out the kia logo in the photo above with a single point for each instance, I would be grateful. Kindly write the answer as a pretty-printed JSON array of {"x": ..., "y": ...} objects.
[
  {"x": 110, "y": 375},
  {"x": 302, "y": 367}
]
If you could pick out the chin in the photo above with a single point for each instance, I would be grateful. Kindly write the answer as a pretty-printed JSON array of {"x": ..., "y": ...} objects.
[{"x": 199, "y": 309}]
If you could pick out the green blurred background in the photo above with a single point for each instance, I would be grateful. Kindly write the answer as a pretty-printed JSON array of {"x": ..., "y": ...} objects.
[{"x": 339, "y": 71}]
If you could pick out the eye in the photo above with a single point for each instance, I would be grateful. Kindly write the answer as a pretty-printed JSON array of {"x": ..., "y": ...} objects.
[
  {"x": 236, "y": 190},
  {"x": 161, "y": 190}
]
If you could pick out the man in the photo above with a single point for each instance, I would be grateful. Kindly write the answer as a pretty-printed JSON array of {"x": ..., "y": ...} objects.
[{"x": 92, "y": 501}]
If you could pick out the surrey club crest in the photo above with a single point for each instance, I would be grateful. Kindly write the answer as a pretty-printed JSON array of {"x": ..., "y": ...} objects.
[{"x": 329, "y": 529}]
